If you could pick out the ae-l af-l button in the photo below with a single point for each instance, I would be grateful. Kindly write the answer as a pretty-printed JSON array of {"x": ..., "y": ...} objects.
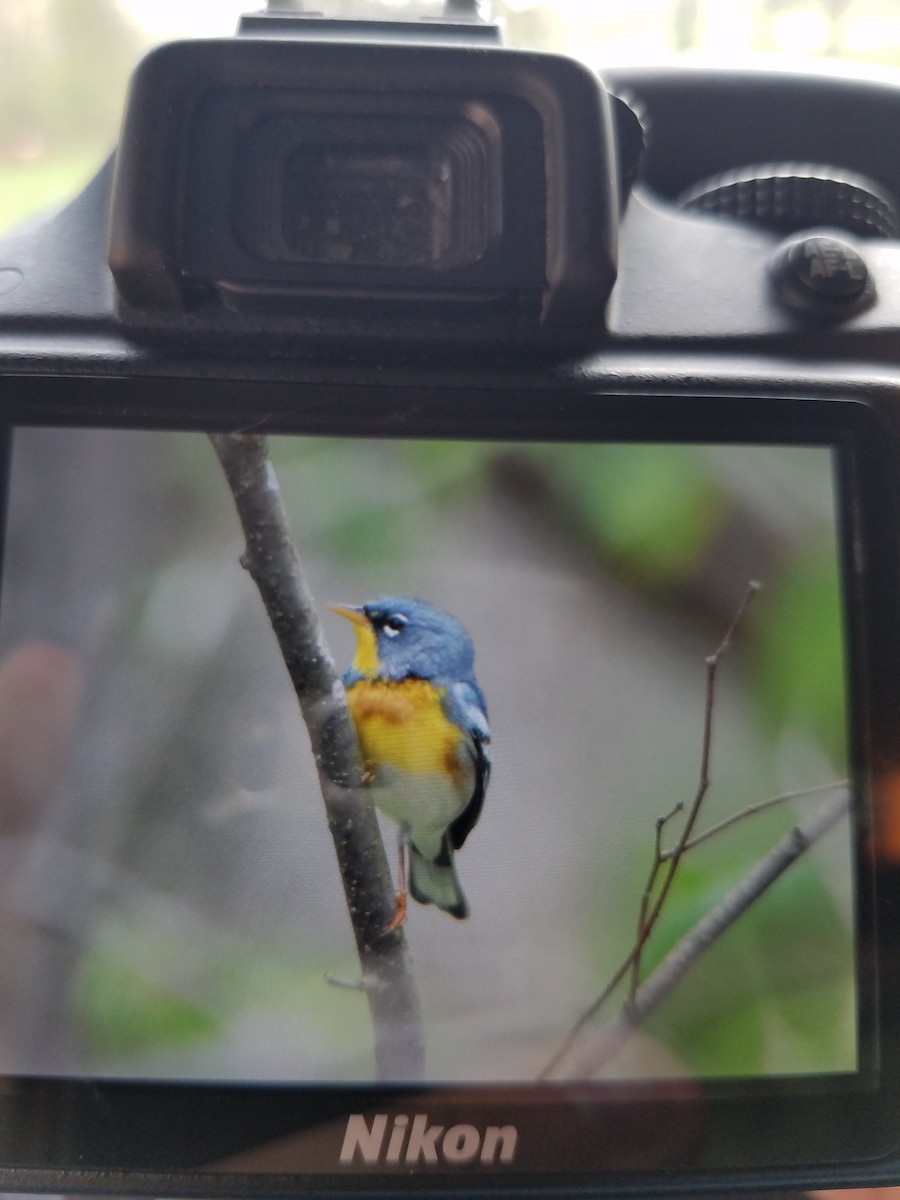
[{"x": 821, "y": 276}]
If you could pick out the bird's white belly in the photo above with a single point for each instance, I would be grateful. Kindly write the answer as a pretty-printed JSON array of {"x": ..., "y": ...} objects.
[{"x": 422, "y": 804}]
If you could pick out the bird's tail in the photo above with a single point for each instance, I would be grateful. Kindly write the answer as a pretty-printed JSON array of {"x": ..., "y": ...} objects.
[{"x": 435, "y": 882}]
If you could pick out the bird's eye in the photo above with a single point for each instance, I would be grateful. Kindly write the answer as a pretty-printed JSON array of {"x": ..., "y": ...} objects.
[{"x": 393, "y": 624}]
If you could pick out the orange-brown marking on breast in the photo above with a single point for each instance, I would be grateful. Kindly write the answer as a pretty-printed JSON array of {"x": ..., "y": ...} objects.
[
  {"x": 403, "y": 724},
  {"x": 391, "y": 702}
]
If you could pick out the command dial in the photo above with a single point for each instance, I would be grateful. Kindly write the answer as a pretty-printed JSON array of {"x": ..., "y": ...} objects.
[{"x": 790, "y": 197}]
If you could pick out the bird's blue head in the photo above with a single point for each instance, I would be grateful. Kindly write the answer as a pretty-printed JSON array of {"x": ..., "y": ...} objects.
[{"x": 398, "y": 637}]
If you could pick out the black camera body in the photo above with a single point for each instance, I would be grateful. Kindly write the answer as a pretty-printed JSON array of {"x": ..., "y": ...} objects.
[{"x": 388, "y": 238}]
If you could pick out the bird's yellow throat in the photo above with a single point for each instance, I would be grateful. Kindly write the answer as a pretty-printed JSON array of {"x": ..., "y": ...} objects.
[{"x": 366, "y": 658}]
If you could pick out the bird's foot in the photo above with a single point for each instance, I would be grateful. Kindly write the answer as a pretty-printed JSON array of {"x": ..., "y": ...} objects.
[
  {"x": 399, "y": 917},
  {"x": 368, "y": 773}
]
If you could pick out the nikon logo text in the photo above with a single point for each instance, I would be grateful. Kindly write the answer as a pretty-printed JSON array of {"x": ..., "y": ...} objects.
[{"x": 420, "y": 1142}]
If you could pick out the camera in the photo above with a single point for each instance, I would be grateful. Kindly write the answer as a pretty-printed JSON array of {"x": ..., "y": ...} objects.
[{"x": 407, "y": 437}]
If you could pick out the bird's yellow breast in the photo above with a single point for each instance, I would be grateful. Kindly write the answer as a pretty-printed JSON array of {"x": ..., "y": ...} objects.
[{"x": 402, "y": 724}]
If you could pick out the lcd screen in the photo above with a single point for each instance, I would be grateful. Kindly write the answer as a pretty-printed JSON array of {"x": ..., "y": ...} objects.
[{"x": 172, "y": 907}]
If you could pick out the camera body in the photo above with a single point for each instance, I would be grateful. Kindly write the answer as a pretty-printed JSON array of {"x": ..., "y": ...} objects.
[{"x": 387, "y": 236}]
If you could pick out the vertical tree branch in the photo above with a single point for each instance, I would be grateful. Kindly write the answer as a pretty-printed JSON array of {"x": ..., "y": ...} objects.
[{"x": 274, "y": 565}]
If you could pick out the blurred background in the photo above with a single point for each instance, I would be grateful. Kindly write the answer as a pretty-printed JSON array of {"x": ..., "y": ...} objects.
[
  {"x": 177, "y": 906},
  {"x": 66, "y": 62}
]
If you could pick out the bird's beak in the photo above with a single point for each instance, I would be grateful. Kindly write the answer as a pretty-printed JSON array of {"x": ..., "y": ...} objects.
[
  {"x": 352, "y": 613},
  {"x": 366, "y": 658}
]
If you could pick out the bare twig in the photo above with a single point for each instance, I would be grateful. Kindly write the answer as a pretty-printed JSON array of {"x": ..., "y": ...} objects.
[
  {"x": 591, "y": 1055},
  {"x": 650, "y": 912},
  {"x": 273, "y": 563},
  {"x": 752, "y": 809},
  {"x": 675, "y": 855},
  {"x": 659, "y": 857}
]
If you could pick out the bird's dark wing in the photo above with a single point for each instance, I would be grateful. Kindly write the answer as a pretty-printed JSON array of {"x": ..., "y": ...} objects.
[
  {"x": 466, "y": 707},
  {"x": 464, "y": 823}
]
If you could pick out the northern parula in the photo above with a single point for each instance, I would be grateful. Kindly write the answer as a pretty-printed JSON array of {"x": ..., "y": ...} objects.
[{"x": 421, "y": 721}]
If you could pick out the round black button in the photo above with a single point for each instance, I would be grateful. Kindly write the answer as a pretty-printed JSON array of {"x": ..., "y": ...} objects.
[
  {"x": 821, "y": 276},
  {"x": 828, "y": 267}
]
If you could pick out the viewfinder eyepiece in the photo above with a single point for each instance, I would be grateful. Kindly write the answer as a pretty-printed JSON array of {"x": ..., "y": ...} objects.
[
  {"x": 414, "y": 190},
  {"x": 392, "y": 190}
]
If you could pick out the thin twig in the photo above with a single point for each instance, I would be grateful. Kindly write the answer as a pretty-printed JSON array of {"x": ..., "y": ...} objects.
[
  {"x": 752, "y": 809},
  {"x": 632, "y": 960},
  {"x": 272, "y": 561},
  {"x": 591, "y": 1055},
  {"x": 659, "y": 857},
  {"x": 675, "y": 855}
]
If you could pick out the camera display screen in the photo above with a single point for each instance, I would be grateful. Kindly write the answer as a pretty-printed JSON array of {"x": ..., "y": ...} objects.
[
  {"x": 606, "y": 755},
  {"x": 173, "y": 907}
]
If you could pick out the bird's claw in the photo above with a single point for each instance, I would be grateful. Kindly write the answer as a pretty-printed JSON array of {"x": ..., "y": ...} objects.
[{"x": 399, "y": 917}]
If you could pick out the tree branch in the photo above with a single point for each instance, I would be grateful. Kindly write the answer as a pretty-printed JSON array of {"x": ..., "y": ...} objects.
[
  {"x": 274, "y": 565},
  {"x": 585, "y": 1057}
]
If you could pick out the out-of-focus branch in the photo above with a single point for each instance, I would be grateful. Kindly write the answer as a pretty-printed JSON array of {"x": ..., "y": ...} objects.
[{"x": 274, "y": 565}]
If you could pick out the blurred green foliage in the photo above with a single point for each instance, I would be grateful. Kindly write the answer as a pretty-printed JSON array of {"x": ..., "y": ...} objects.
[
  {"x": 774, "y": 993},
  {"x": 652, "y": 510},
  {"x": 123, "y": 1013},
  {"x": 145, "y": 992},
  {"x": 800, "y": 671}
]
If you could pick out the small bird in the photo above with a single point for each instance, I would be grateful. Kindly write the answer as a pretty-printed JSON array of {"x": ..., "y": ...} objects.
[{"x": 422, "y": 725}]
